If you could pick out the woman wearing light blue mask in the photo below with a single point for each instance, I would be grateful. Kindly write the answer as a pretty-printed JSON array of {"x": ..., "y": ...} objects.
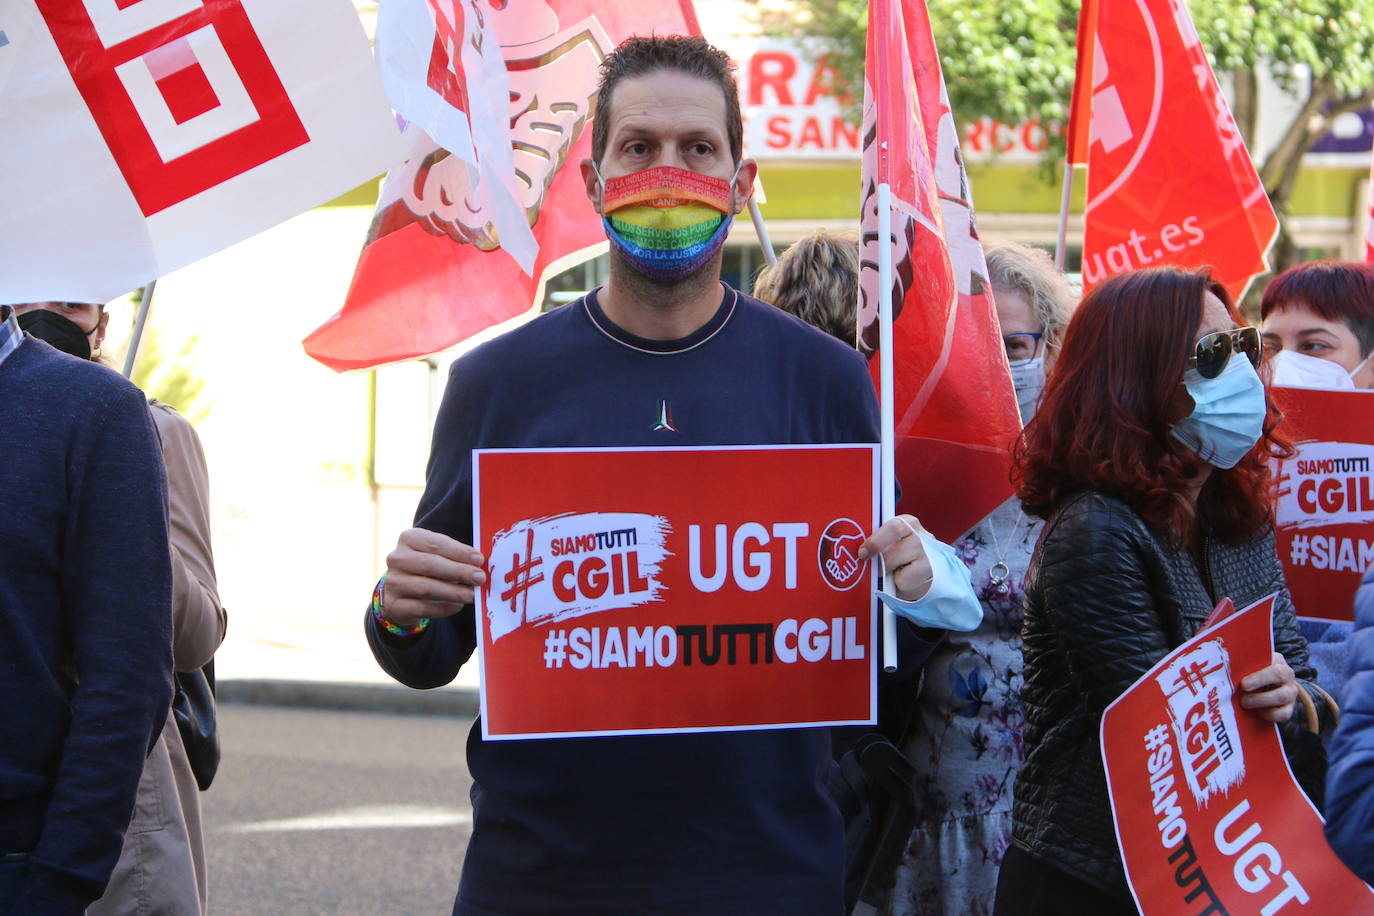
[
  {"x": 1033, "y": 305},
  {"x": 1149, "y": 460},
  {"x": 965, "y": 737}
]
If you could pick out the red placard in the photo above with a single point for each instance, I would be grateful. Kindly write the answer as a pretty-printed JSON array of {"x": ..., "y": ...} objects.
[
  {"x": 1325, "y": 501},
  {"x": 639, "y": 591},
  {"x": 1209, "y": 819}
]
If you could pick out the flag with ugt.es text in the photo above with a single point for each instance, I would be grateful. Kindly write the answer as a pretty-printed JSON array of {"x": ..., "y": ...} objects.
[
  {"x": 1169, "y": 178},
  {"x": 438, "y": 267},
  {"x": 141, "y": 136},
  {"x": 954, "y": 406}
]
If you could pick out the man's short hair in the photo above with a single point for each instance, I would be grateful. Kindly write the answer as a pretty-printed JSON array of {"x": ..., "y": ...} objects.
[
  {"x": 1335, "y": 290},
  {"x": 817, "y": 279},
  {"x": 645, "y": 54}
]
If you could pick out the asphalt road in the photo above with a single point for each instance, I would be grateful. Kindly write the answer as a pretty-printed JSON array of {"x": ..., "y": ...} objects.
[{"x": 336, "y": 813}]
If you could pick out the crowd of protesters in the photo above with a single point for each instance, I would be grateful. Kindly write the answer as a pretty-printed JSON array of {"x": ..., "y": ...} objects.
[{"x": 1143, "y": 497}]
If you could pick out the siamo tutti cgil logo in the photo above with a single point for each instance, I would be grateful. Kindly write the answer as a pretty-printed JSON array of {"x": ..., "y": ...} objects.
[
  {"x": 549, "y": 569},
  {"x": 838, "y": 554}
]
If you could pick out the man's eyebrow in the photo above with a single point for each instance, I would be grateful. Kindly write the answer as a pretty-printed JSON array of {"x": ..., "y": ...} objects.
[
  {"x": 688, "y": 132},
  {"x": 1310, "y": 331}
]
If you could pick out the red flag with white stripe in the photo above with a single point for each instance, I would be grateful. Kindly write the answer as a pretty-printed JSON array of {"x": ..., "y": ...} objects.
[{"x": 954, "y": 406}]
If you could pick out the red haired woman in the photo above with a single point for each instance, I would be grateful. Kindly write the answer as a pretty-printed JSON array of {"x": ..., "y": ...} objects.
[{"x": 1148, "y": 458}]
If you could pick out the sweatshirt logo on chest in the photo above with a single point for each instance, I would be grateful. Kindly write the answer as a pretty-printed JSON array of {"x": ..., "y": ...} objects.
[{"x": 664, "y": 423}]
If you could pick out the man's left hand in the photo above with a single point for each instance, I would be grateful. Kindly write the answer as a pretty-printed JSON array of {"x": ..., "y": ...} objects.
[{"x": 903, "y": 554}]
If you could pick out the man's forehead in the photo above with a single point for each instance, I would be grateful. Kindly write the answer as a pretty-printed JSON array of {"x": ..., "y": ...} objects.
[{"x": 650, "y": 101}]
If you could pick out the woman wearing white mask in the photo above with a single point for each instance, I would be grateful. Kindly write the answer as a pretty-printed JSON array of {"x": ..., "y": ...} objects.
[
  {"x": 1318, "y": 326},
  {"x": 1149, "y": 459},
  {"x": 965, "y": 737}
]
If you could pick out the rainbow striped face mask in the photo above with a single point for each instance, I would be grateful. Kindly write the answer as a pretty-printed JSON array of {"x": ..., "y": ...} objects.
[{"x": 667, "y": 222}]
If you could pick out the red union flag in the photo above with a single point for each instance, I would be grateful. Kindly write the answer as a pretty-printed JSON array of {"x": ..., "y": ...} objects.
[
  {"x": 1208, "y": 816},
  {"x": 955, "y": 409},
  {"x": 617, "y": 605},
  {"x": 148, "y": 134},
  {"x": 1369, "y": 229},
  {"x": 1081, "y": 102},
  {"x": 1169, "y": 178},
  {"x": 435, "y": 269},
  {"x": 456, "y": 98}
]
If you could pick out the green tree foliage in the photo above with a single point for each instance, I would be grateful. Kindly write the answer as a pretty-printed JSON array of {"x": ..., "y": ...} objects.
[
  {"x": 170, "y": 381},
  {"x": 1015, "y": 61}
]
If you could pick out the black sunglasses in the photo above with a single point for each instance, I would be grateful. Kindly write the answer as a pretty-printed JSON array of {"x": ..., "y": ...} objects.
[{"x": 1214, "y": 350}]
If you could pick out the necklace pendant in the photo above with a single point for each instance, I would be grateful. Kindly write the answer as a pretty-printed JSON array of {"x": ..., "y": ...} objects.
[{"x": 997, "y": 575}]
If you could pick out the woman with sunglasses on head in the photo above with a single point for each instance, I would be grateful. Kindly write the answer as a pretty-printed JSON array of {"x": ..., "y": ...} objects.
[{"x": 1148, "y": 458}]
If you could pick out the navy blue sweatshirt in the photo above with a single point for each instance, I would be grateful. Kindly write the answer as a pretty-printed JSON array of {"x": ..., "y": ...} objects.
[
  {"x": 700, "y": 823},
  {"x": 85, "y": 618}
]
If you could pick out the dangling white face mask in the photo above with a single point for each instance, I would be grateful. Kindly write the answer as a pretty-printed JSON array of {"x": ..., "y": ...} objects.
[{"x": 1291, "y": 369}]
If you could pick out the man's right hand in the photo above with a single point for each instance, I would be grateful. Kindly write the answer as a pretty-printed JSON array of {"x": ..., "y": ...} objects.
[{"x": 429, "y": 575}]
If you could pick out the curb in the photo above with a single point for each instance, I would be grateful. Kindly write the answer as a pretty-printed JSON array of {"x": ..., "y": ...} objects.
[{"x": 381, "y": 698}]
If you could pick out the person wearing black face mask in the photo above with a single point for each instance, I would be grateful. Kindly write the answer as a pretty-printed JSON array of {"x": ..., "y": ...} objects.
[
  {"x": 77, "y": 328},
  {"x": 85, "y": 605},
  {"x": 162, "y": 865}
]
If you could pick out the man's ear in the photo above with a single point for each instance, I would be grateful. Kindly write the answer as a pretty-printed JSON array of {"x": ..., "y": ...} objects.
[
  {"x": 593, "y": 186},
  {"x": 744, "y": 183},
  {"x": 100, "y": 327}
]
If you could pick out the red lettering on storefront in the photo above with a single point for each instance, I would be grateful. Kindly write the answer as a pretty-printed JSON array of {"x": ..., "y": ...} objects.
[{"x": 771, "y": 69}]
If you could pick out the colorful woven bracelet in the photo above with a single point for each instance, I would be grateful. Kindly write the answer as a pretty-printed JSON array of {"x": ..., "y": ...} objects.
[{"x": 394, "y": 629}]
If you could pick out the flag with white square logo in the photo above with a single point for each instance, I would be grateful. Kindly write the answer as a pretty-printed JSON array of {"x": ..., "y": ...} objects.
[{"x": 141, "y": 136}]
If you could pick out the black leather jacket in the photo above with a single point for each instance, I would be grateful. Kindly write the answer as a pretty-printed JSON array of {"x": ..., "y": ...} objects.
[{"x": 1106, "y": 598}]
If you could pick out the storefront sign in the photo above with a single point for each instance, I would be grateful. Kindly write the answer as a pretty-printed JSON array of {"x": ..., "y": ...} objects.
[
  {"x": 674, "y": 590},
  {"x": 794, "y": 104}
]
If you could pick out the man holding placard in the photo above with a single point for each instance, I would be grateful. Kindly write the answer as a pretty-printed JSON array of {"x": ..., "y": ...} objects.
[{"x": 665, "y": 817}]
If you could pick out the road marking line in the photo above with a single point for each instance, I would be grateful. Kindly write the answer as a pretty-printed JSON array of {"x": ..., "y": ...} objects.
[{"x": 366, "y": 817}]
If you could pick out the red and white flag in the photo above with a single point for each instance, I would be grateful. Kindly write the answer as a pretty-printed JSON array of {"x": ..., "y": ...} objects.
[
  {"x": 954, "y": 406},
  {"x": 455, "y": 97},
  {"x": 1369, "y": 227},
  {"x": 435, "y": 269},
  {"x": 142, "y": 136},
  {"x": 1169, "y": 178}
]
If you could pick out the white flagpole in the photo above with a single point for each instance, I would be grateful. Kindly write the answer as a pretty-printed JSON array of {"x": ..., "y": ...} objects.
[
  {"x": 1064, "y": 216},
  {"x": 145, "y": 303},
  {"x": 770, "y": 257},
  {"x": 887, "y": 424}
]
